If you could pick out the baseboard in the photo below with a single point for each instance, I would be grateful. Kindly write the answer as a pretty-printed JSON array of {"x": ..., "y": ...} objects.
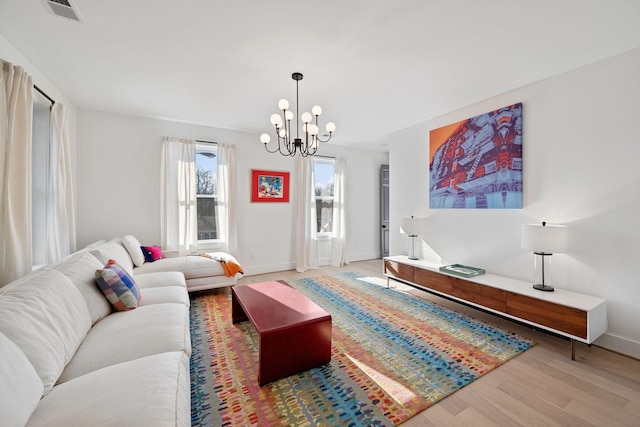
[
  {"x": 268, "y": 268},
  {"x": 364, "y": 256},
  {"x": 274, "y": 268},
  {"x": 619, "y": 345}
]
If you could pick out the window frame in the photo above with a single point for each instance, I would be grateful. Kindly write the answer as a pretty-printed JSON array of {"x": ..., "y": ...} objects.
[
  {"x": 208, "y": 147},
  {"x": 323, "y": 235}
]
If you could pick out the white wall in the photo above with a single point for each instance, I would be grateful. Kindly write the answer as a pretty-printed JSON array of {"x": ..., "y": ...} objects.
[
  {"x": 119, "y": 190},
  {"x": 581, "y": 149}
]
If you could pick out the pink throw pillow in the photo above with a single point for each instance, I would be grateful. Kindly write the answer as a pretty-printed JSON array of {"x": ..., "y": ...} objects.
[{"x": 152, "y": 253}]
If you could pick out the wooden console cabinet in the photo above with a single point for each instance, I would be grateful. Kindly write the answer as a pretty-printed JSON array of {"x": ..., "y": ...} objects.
[{"x": 576, "y": 316}]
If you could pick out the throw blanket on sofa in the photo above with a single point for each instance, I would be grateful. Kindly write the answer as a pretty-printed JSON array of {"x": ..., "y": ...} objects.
[{"x": 229, "y": 264}]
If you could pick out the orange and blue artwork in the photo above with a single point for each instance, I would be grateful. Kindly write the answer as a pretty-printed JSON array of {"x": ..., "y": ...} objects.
[
  {"x": 477, "y": 163},
  {"x": 269, "y": 186}
]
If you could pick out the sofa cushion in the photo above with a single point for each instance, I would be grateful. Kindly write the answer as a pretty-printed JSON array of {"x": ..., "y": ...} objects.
[
  {"x": 46, "y": 316},
  {"x": 118, "y": 286},
  {"x": 150, "y": 391},
  {"x": 163, "y": 295},
  {"x": 160, "y": 279},
  {"x": 128, "y": 335},
  {"x": 81, "y": 267},
  {"x": 21, "y": 388},
  {"x": 193, "y": 266},
  {"x": 114, "y": 249},
  {"x": 152, "y": 253},
  {"x": 132, "y": 245}
]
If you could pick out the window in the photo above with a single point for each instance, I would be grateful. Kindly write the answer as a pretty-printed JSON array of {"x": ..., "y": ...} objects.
[
  {"x": 323, "y": 170},
  {"x": 206, "y": 191}
]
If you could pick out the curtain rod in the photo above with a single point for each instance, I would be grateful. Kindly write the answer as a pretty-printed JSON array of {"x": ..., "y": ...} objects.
[
  {"x": 324, "y": 157},
  {"x": 206, "y": 142},
  {"x": 44, "y": 94}
]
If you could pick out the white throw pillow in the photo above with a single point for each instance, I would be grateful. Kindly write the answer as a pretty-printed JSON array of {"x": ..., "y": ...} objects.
[
  {"x": 133, "y": 247},
  {"x": 80, "y": 268},
  {"x": 45, "y": 315},
  {"x": 20, "y": 388},
  {"x": 115, "y": 250}
]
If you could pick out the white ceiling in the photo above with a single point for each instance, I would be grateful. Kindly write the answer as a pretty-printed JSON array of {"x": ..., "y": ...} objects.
[{"x": 374, "y": 66}]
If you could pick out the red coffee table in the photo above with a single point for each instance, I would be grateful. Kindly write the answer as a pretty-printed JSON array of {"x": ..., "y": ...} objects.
[{"x": 295, "y": 334}]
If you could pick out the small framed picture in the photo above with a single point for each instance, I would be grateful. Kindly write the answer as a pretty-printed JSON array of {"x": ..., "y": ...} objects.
[{"x": 269, "y": 186}]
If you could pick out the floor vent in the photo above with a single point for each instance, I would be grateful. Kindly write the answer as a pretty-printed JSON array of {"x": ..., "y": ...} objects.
[{"x": 63, "y": 8}]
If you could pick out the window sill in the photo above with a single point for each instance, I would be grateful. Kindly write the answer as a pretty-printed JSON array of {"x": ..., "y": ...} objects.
[{"x": 205, "y": 245}]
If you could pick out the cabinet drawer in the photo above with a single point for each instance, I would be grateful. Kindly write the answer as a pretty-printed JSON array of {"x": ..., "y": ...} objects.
[
  {"x": 401, "y": 271},
  {"x": 436, "y": 281},
  {"x": 486, "y": 296},
  {"x": 562, "y": 318}
]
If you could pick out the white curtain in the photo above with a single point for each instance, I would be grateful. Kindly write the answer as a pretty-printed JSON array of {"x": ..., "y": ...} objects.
[
  {"x": 16, "y": 115},
  {"x": 61, "y": 229},
  {"x": 338, "y": 234},
  {"x": 178, "y": 195},
  {"x": 226, "y": 213},
  {"x": 305, "y": 216}
]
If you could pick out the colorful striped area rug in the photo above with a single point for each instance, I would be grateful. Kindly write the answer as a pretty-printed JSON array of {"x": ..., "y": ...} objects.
[{"x": 393, "y": 355}]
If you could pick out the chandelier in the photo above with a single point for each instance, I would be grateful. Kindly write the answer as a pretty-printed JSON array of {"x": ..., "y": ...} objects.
[{"x": 282, "y": 123}]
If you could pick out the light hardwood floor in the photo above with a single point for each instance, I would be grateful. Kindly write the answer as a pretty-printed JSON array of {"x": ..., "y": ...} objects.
[{"x": 541, "y": 387}]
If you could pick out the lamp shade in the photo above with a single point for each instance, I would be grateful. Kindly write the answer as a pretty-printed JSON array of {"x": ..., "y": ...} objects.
[
  {"x": 411, "y": 226},
  {"x": 544, "y": 238}
]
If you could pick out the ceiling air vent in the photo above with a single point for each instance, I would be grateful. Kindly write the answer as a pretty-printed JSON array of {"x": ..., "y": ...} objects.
[{"x": 63, "y": 8}]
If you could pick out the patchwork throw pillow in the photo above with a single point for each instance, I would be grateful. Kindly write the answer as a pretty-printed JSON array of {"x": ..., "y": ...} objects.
[
  {"x": 152, "y": 253},
  {"x": 118, "y": 286}
]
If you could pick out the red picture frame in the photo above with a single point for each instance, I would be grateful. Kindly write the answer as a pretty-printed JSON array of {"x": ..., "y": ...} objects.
[{"x": 269, "y": 186}]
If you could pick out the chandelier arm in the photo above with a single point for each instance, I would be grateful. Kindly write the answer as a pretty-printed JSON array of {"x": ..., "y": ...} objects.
[
  {"x": 277, "y": 148},
  {"x": 290, "y": 146},
  {"x": 280, "y": 146},
  {"x": 326, "y": 140},
  {"x": 288, "y": 134},
  {"x": 281, "y": 143}
]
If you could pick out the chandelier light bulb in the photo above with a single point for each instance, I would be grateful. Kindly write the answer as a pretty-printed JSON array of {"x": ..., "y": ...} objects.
[
  {"x": 306, "y": 117},
  {"x": 331, "y": 127},
  {"x": 283, "y": 104},
  {"x": 276, "y": 120},
  {"x": 283, "y": 133},
  {"x": 313, "y": 130},
  {"x": 288, "y": 115},
  {"x": 265, "y": 138},
  {"x": 316, "y": 110}
]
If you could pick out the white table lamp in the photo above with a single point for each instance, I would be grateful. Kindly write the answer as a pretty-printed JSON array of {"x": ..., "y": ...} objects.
[
  {"x": 544, "y": 240},
  {"x": 413, "y": 228}
]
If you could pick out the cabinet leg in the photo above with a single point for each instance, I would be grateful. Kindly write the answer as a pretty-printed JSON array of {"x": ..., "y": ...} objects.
[{"x": 573, "y": 349}]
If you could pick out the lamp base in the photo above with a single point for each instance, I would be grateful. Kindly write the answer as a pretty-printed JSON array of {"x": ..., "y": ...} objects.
[
  {"x": 412, "y": 255},
  {"x": 545, "y": 288}
]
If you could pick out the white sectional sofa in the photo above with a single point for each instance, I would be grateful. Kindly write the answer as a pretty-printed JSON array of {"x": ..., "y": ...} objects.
[{"x": 67, "y": 359}]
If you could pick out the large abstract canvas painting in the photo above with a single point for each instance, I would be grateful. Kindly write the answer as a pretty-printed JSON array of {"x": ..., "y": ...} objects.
[{"x": 477, "y": 163}]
